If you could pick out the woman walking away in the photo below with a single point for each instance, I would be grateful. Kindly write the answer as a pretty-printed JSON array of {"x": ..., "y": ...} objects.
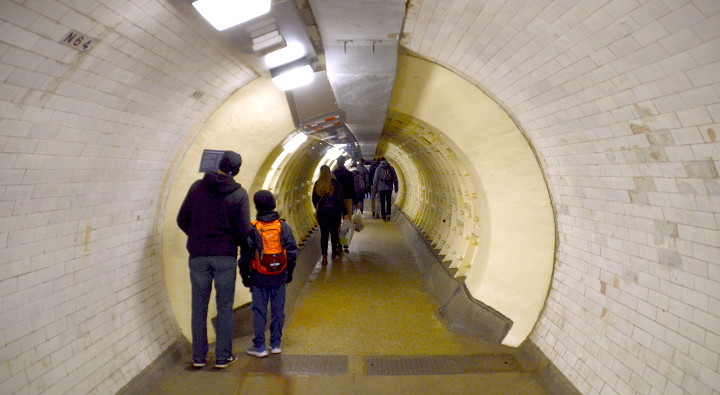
[{"x": 327, "y": 197}]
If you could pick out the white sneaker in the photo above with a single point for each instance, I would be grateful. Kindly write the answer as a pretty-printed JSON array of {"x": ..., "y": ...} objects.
[
  {"x": 258, "y": 352},
  {"x": 275, "y": 350}
]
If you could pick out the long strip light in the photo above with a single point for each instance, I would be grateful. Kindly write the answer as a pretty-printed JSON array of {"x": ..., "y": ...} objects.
[
  {"x": 293, "y": 51},
  {"x": 294, "y": 78},
  {"x": 295, "y": 142},
  {"x": 223, "y": 14},
  {"x": 292, "y": 75}
]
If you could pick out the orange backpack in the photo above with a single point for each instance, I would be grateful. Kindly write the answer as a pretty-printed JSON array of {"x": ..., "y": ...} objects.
[{"x": 271, "y": 259}]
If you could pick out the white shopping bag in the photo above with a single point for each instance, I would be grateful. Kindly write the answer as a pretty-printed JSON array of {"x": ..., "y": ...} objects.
[
  {"x": 358, "y": 221},
  {"x": 346, "y": 232}
]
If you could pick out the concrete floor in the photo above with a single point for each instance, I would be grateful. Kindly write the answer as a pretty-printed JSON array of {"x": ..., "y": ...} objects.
[{"x": 362, "y": 325}]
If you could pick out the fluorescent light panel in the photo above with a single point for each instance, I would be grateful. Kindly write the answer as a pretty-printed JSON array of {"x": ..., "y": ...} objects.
[
  {"x": 294, "y": 78},
  {"x": 293, "y": 51},
  {"x": 223, "y": 14},
  {"x": 295, "y": 142}
]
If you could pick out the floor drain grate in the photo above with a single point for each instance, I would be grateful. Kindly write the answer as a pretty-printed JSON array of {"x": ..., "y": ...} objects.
[
  {"x": 440, "y": 364},
  {"x": 321, "y": 365}
]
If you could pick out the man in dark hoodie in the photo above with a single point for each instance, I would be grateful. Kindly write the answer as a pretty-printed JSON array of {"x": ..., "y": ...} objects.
[
  {"x": 215, "y": 215},
  {"x": 267, "y": 288}
]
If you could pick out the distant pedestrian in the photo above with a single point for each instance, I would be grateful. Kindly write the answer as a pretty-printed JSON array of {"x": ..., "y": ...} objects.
[
  {"x": 373, "y": 192},
  {"x": 385, "y": 181},
  {"x": 215, "y": 216},
  {"x": 359, "y": 201},
  {"x": 365, "y": 173},
  {"x": 347, "y": 181},
  {"x": 266, "y": 269},
  {"x": 327, "y": 198}
]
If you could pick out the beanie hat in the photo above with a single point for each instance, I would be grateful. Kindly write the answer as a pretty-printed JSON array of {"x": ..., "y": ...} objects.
[
  {"x": 264, "y": 201},
  {"x": 230, "y": 163}
]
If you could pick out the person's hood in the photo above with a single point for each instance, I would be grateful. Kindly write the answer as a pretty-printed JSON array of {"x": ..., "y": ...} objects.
[
  {"x": 384, "y": 164},
  {"x": 220, "y": 184},
  {"x": 267, "y": 216}
]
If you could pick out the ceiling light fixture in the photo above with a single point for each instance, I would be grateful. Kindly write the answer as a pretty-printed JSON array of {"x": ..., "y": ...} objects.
[
  {"x": 293, "y": 51},
  {"x": 295, "y": 142},
  {"x": 223, "y": 14},
  {"x": 268, "y": 42},
  {"x": 292, "y": 75}
]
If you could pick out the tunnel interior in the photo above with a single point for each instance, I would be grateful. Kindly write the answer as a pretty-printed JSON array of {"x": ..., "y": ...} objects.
[
  {"x": 581, "y": 135},
  {"x": 475, "y": 213}
]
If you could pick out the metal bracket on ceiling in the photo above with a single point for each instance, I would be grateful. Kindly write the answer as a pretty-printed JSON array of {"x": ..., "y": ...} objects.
[
  {"x": 374, "y": 42},
  {"x": 345, "y": 43}
]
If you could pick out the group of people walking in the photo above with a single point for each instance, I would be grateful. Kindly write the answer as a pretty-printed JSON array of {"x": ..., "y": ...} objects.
[
  {"x": 215, "y": 216},
  {"x": 338, "y": 193}
]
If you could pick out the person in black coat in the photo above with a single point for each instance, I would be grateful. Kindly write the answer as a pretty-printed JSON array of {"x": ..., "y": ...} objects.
[
  {"x": 347, "y": 181},
  {"x": 327, "y": 198},
  {"x": 373, "y": 192}
]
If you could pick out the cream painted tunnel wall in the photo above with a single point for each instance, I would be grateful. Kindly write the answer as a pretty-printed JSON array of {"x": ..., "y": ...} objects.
[
  {"x": 618, "y": 99},
  {"x": 490, "y": 188}
]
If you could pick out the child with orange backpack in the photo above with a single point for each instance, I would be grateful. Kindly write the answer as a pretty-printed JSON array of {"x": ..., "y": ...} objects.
[{"x": 265, "y": 269}]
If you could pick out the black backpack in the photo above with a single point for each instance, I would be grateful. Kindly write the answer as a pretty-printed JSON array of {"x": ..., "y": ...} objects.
[{"x": 386, "y": 176}]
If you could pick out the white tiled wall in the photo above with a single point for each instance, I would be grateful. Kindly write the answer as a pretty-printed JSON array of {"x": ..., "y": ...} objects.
[
  {"x": 620, "y": 100},
  {"x": 86, "y": 145}
]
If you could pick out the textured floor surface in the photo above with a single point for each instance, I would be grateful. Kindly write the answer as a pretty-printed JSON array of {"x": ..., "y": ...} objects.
[{"x": 362, "y": 325}]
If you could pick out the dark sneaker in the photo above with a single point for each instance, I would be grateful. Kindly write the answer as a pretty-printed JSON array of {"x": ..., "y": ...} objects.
[
  {"x": 198, "y": 364},
  {"x": 257, "y": 351},
  {"x": 223, "y": 363}
]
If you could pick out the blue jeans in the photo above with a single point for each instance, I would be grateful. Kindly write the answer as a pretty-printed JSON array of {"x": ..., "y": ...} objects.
[
  {"x": 203, "y": 270},
  {"x": 261, "y": 296}
]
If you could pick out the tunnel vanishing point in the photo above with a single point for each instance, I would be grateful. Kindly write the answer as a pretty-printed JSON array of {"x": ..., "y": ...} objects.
[{"x": 561, "y": 158}]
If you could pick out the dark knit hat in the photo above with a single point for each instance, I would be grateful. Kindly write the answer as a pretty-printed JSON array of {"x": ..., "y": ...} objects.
[
  {"x": 230, "y": 163},
  {"x": 264, "y": 201}
]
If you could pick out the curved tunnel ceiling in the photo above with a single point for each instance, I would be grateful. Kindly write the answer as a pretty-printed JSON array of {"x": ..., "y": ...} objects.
[{"x": 470, "y": 183}]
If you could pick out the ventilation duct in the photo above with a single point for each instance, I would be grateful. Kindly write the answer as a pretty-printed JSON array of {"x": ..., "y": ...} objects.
[{"x": 360, "y": 39}]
